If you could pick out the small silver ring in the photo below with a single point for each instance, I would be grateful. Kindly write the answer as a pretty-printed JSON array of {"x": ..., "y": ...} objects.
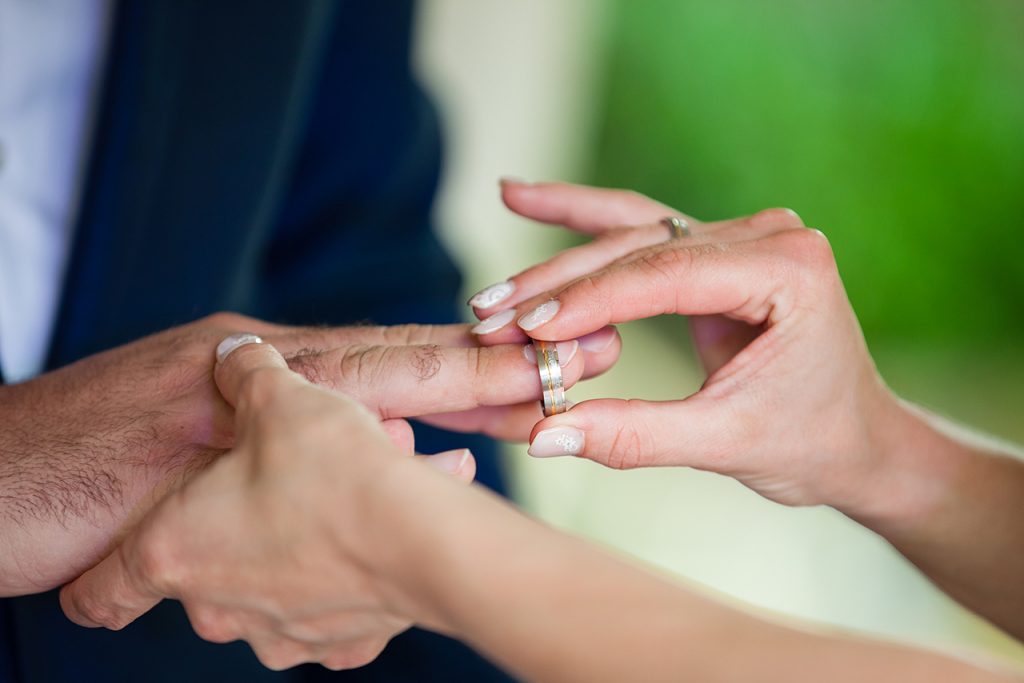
[
  {"x": 233, "y": 342},
  {"x": 552, "y": 389},
  {"x": 678, "y": 228}
]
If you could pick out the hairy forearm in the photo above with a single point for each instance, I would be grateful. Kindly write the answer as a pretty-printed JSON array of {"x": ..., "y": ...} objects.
[
  {"x": 952, "y": 503},
  {"x": 553, "y": 608},
  {"x": 68, "y": 486}
]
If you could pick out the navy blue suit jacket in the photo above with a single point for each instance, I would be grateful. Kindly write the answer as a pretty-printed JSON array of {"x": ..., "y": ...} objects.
[{"x": 271, "y": 158}]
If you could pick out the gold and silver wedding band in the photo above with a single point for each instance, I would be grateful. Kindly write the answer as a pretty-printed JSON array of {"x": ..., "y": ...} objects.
[{"x": 552, "y": 389}]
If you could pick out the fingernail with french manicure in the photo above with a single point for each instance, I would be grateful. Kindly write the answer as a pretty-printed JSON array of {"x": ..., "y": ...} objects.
[
  {"x": 566, "y": 352},
  {"x": 557, "y": 441},
  {"x": 495, "y": 322},
  {"x": 492, "y": 295},
  {"x": 540, "y": 315},
  {"x": 450, "y": 461},
  {"x": 598, "y": 341}
]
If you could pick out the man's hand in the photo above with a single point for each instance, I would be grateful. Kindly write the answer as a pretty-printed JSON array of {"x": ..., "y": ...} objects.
[
  {"x": 87, "y": 449},
  {"x": 259, "y": 546}
]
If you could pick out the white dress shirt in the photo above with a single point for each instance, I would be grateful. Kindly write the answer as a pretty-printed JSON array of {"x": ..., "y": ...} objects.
[{"x": 50, "y": 61}]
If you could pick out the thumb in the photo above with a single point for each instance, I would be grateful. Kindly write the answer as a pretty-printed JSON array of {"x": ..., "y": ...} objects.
[
  {"x": 459, "y": 463},
  {"x": 627, "y": 434},
  {"x": 241, "y": 360}
]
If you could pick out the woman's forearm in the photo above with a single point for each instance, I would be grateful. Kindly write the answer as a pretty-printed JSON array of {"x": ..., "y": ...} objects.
[
  {"x": 553, "y": 608},
  {"x": 953, "y": 503}
]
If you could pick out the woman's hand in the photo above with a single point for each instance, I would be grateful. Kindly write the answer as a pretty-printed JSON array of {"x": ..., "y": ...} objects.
[
  {"x": 264, "y": 544},
  {"x": 792, "y": 405}
]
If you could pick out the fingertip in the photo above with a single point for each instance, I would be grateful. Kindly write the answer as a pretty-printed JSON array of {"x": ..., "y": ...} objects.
[
  {"x": 241, "y": 362},
  {"x": 557, "y": 438},
  {"x": 459, "y": 462},
  {"x": 512, "y": 191},
  {"x": 401, "y": 434},
  {"x": 603, "y": 354}
]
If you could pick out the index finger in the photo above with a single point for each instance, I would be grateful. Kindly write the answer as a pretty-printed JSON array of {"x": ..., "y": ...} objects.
[{"x": 743, "y": 280}]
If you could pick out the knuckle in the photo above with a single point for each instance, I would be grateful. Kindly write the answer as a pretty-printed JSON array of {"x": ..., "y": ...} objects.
[
  {"x": 778, "y": 217},
  {"x": 631, "y": 446},
  {"x": 426, "y": 361},
  {"x": 212, "y": 626},
  {"x": 99, "y": 611},
  {"x": 402, "y": 335},
  {"x": 355, "y": 655},
  {"x": 312, "y": 366},
  {"x": 363, "y": 366},
  {"x": 665, "y": 264},
  {"x": 225, "y": 320},
  {"x": 809, "y": 249},
  {"x": 479, "y": 362},
  {"x": 282, "y": 655}
]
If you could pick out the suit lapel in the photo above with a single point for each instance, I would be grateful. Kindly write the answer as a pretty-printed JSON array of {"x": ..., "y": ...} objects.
[{"x": 201, "y": 108}]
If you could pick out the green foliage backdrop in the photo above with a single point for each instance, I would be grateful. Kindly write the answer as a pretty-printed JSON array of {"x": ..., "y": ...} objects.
[{"x": 896, "y": 126}]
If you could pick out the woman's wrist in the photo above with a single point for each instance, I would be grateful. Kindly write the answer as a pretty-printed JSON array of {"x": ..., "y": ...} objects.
[
  {"x": 405, "y": 516},
  {"x": 914, "y": 469}
]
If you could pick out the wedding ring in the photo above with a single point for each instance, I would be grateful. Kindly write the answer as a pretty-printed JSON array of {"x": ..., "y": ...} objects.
[
  {"x": 677, "y": 227},
  {"x": 552, "y": 390},
  {"x": 233, "y": 342}
]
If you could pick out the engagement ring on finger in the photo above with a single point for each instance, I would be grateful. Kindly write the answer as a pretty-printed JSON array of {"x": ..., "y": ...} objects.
[
  {"x": 677, "y": 227},
  {"x": 552, "y": 390}
]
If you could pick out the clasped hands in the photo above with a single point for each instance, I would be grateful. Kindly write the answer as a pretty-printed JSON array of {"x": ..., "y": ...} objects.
[{"x": 284, "y": 540}]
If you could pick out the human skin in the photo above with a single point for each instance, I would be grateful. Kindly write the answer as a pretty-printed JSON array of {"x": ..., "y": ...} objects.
[
  {"x": 793, "y": 406},
  {"x": 87, "y": 449},
  {"x": 328, "y": 540}
]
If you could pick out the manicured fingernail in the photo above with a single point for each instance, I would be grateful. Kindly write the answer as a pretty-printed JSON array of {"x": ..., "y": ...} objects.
[
  {"x": 598, "y": 341},
  {"x": 492, "y": 295},
  {"x": 556, "y": 441},
  {"x": 566, "y": 352},
  {"x": 540, "y": 315},
  {"x": 232, "y": 343},
  {"x": 495, "y": 322},
  {"x": 450, "y": 461}
]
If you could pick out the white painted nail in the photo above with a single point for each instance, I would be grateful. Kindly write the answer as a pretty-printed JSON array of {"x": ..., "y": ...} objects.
[
  {"x": 566, "y": 352},
  {"x": 232, "y": 343},
  {"x": 492, "y": 295},
  {"x": 557, "y": 441},
  {"x": 495, "y": 322},
  {"x": 540, "y": 315}
]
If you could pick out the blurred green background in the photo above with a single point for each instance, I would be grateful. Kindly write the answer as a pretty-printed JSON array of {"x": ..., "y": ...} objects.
[{"x": 895, "y": 126}]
